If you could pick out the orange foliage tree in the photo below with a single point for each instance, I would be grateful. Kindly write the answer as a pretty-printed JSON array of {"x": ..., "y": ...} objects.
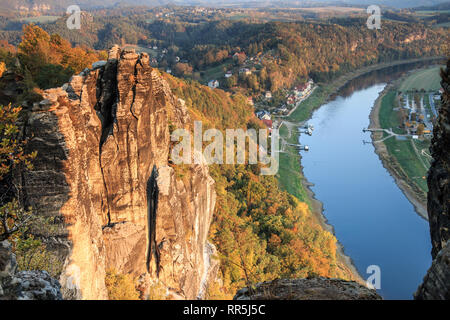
[{"x": 50, "y": 59}]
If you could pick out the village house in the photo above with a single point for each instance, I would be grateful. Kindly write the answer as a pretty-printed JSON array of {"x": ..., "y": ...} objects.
[
  {"x": 241, "y": 56},
  {"x": 213, "y": 84},
  {"x": 263, "y": 115},
  {"x": 245, "y": 71},
  {"x": 268, "y": 123},
  {"x": 291, "y": 100},
  {"x": 282, "y": 109},
  {"x": 268, "y": 95}
]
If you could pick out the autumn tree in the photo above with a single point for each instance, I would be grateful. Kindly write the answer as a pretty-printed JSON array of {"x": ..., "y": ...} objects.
[
  {"x": 50, "y": 59},
  {"x": 12, "y": 156},
  {"x": 420, "y": 129},
  {"x": 182, "y": 69},
  {"x": 120, "y": 286}
]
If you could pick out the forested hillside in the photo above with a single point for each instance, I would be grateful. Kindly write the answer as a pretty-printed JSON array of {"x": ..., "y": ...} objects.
[
  {"x": 261, "y": 232},
  {"x": 282, "y": 53}
]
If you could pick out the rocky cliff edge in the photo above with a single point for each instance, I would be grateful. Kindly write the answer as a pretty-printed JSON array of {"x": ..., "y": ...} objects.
[{"x": 436, "y": 284}]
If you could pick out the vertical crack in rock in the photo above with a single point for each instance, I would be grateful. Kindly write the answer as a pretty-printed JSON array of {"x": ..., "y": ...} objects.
[
  {"x": 152, "y": 207},
  {"x": 106, "y": 107},
  {"x": 134, "y": 87},
  {"x": 107, "y": 97}
]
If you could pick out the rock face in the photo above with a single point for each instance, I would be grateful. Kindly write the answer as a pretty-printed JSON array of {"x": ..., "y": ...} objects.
[
  {"x": 103, "y": 170},
  {"x": 436, "y": 283},
  {"x": 439, "y": 174},
  {"x": 24, "y": 285},
  {"x": 308, "y": 289}
]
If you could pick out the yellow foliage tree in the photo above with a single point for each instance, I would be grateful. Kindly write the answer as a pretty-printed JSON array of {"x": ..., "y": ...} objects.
[{"x": 120, "y": 286}]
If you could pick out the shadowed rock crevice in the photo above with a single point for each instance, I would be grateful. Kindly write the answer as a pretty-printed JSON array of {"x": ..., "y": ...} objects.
[
  {"x": 106, "y": 107},
  {"x": 107, "y": 99},
  {"x": 136, "y": 80},
  {"x": 152, "y": 205}
]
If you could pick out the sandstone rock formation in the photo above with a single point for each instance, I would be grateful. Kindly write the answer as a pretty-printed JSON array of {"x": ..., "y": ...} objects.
[
  {"x": 103, "y": 170},
  {"x": 436, "y": 283},
  {"x": 307, "y": 289},
  {"x": 24, "y": 285}
]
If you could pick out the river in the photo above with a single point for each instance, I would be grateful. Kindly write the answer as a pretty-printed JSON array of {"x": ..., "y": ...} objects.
[{"x": 371, "y": 217}]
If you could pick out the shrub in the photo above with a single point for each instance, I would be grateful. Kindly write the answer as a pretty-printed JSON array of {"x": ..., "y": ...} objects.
[
  {"x": 157, "y": 292},
  {"x": 32, "y": 254},
  {"x": 120, "y": 286}
]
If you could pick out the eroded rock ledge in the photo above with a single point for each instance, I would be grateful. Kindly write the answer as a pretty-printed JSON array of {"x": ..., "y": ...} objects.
[
  {"x": 99, "y": 138},
  {"x": 24, "y": 285},
  {"x": 308, "y": 289}
]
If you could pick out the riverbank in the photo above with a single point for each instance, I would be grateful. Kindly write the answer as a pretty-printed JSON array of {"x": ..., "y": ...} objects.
[
  {"x": 300, "y": 187},
  {"x": 291, "y": 175},
  {"x": 325, "y": 92},
  {"x": 345, "y": 263},
  {"x": 409, "y": 189}
]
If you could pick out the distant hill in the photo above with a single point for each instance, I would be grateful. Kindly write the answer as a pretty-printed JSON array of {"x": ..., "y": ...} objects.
[
  {"x": 398, "y": 3},
  {"x": 441, "y": 6},
  {"x": 61, "y": 5}
]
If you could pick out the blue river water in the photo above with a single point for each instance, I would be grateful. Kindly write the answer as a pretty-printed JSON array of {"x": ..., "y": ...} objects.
[{"x": 372, "y": 218}]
